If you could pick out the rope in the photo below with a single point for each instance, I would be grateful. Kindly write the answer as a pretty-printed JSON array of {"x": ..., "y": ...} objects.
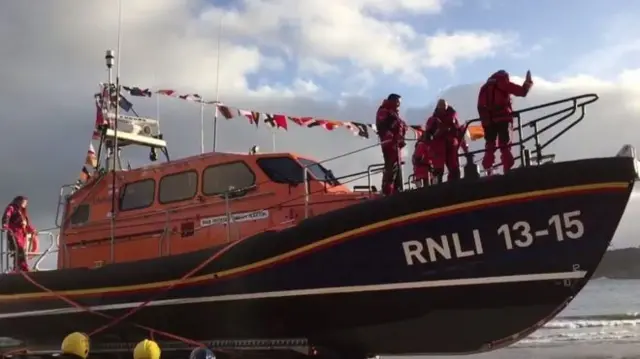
[
  {"x": 167, "y": 288},
  {"x": 14, "y": 352},
  {"x": 104, "y": 315},
  {"x": 116, "y": 320}
]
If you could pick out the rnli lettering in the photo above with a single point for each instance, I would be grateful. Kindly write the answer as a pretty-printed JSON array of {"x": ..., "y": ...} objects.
[
  {"x": 561, "y": 226},
  {"x": 442, "y": 247},
  {"x": 235, "y": 218},
  {"x": 520, "y": 234}
]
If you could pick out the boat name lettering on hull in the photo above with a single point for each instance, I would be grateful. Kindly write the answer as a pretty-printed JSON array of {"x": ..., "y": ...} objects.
[
  {"x": 235, "y": 218},
  {"x": 560, "y": 226},
  {"x": 446, "y": 246},
  {"x": 520, "y": 234}
]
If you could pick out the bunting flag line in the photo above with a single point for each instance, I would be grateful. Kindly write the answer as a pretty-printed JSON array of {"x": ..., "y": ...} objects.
[
  {"x": 147, "y": 92},
  {"x": 281, "y": 121},
  {"x": 277, "y": 121}
]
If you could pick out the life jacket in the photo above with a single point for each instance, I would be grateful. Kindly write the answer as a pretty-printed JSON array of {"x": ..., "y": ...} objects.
[
  {"x": 494, "y": 103},
  {"x": 421, "y": 159},
  {"x": 421, "y": 154},
  {"x": 16, "y": 218},
  {"x": 389, "y": 125},
  {"x": 385, "y": 119},
  {"x": 443, "y": 125}
]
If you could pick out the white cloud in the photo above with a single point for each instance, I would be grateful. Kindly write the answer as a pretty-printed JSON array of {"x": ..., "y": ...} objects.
[
  {"x": 273, "y": 63},
  {"x": 322, "y": 31},
  {"x": 299, "y": 88},
  {"x": 317, "y": 67},
  {"x": 445, "y": 50}
]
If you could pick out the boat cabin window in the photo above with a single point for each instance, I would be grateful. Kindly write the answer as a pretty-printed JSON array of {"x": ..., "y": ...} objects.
[
  {"x": 218, "y": 179},
  {"x": 178, "y": 187},
  {"x": 80, "y": 214},
  {"x": 138, "y": 195},
  {"x": 319, "y": 171},
  {"x": 282, "y": 169},
  {"x": 288, "y": 170}
]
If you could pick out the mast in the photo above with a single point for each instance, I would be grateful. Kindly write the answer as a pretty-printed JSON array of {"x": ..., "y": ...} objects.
[
  {"x": 215, "y": 116},
  {"x": 109, "y": 60},
  {"x": 201, "y": 126},
  {"x": 115, "y": 149}
]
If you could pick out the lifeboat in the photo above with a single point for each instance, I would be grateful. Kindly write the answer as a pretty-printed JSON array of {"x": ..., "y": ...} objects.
[{"x": 265, "y": 250}]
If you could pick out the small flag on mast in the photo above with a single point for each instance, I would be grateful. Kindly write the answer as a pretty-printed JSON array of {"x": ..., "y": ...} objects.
[{"x": 90, "y": 163}]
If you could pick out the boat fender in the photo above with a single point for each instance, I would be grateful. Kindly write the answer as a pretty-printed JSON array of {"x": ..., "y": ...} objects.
[
  {"x": 146, "y": 349},
  {"x": 75, "y": 344}
]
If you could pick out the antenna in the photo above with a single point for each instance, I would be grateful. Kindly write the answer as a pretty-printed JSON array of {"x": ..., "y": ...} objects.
[
  {"x": 215, "y": 116},
  {"x": 115, "y": 149},
  {"x": 202, "y": 126},
  {"x": 108, "y": 58}
]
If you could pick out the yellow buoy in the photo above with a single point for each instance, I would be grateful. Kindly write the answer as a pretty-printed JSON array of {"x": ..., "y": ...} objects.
[
  {"x": 146, "y": 349},
  {"x": 76, "y": 344}
]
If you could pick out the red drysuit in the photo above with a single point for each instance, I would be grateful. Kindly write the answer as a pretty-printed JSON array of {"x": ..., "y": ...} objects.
[
  {"x": 495, "y": 111},
  {"x": 15, "y": 221},
  {"x": 446, "y": 136},
  {"x": 421, "y": 159},
  {"x": 391, "y": 130}
]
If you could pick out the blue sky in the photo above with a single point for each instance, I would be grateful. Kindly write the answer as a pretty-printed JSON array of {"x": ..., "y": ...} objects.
[{"x": 553, "y": 38}]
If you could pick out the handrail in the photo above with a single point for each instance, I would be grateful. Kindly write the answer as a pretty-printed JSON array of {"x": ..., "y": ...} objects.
[
  {"x": 305, "y": 172},
  {"x": 5, "y": 253},
  {"x": 219, "y": 199},
  {"x": 61, "y": 202},
  {"x": 572, "y": 105},
  {"x": 576, "y": 103},
  {"x": 227, "y": 197},
  {"x": 53, "y": 243}
]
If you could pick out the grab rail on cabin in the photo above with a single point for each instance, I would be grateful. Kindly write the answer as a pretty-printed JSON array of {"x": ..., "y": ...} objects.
[
  {"x": 228, "y": 196},
  {"x": 164, "y": 243},
  {"x": 62, "y": 203},
  {"x": 7, "y": 264}
]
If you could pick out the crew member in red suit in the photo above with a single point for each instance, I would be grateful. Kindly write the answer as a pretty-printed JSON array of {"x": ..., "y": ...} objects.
[
  {"x": 391, "y": 130},
  {"x": 15, "y": 222},
  {"x": 447, "y": 136},
  {"x": 422, "y": 168},
  {"x": 496, "y": 114}
]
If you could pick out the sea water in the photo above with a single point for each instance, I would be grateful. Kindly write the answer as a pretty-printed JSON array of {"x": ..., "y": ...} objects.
[{"x": 603, "y": 321}]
